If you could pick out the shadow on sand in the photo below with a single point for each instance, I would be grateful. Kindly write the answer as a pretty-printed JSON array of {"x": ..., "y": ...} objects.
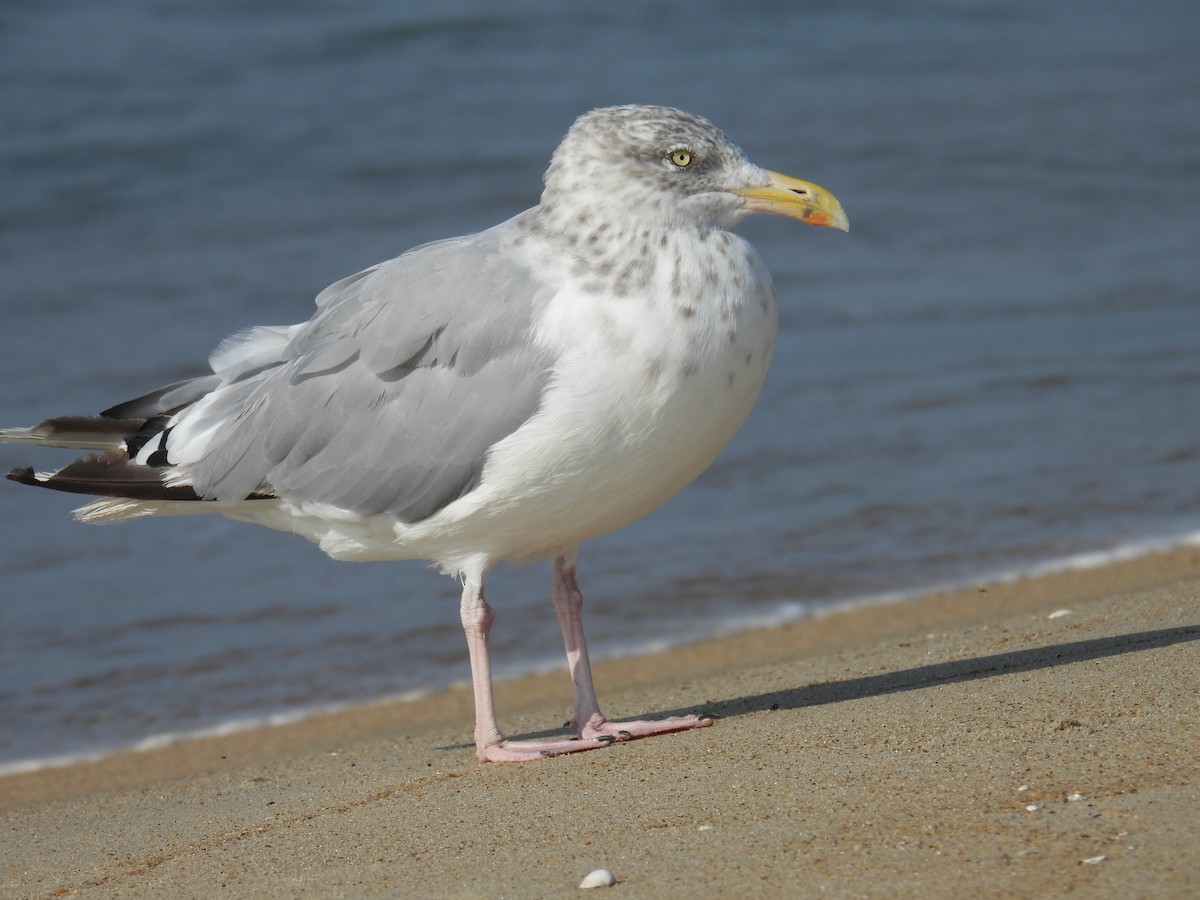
[{"x": 920, "y": 677}]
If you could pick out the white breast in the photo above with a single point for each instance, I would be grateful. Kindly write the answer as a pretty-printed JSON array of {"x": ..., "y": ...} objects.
[{"x": 647, "y": 391}]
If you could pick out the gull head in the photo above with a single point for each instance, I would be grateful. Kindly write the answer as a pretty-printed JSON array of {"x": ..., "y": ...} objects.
[{"x": 658, "y": 165}]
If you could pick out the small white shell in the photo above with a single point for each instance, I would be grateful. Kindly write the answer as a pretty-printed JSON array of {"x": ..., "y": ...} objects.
[
  {"x": 599, "y": 878},
  {"x": 1059, "y": 613},
  {"x": 1093, "y": 860}
]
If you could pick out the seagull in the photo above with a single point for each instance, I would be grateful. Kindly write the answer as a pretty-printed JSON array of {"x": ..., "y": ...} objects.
[{"x": 502, "y": 396}]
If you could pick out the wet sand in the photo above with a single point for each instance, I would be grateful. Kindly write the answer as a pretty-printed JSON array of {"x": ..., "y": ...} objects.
[{"x": 979, "y": 741}]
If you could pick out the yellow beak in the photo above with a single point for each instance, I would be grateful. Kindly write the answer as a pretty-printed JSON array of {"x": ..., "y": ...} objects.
[{"x": 803, "y": 200}]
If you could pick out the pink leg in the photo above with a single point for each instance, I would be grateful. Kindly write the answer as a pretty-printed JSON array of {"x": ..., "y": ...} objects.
[
  {"x": 490, "y": 744},
  {"x": 587, "y": 718}
]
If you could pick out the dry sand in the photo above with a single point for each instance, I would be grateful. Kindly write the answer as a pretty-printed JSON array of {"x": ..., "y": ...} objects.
[{"x": 967, "y": 742}]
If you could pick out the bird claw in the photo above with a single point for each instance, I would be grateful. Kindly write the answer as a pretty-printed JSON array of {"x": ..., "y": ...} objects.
[{"x": 609, "y": 732}]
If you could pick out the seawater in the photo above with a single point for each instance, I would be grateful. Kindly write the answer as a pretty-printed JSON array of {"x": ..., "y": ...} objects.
[{"x": 996, "y": 369}]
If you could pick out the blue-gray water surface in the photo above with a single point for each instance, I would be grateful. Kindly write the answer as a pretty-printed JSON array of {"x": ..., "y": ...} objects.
[{"x": 997, "y": 367}]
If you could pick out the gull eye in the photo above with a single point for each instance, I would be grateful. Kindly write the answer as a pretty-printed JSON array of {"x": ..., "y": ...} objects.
[{"x": 680, "y": 157}]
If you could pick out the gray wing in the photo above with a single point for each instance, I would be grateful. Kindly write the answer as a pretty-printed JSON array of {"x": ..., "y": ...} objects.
[{"x": 389, "y": 398}]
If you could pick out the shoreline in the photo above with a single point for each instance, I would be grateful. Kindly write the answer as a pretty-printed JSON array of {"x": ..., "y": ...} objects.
[
  {"x": 859, "y": 748},
  {"x": 1082, "y": 561}
]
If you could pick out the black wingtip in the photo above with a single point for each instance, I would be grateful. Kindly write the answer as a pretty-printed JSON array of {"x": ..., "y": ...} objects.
[
  {"x": 24, "y": 476},
  {"x": 107, "y": 475}
]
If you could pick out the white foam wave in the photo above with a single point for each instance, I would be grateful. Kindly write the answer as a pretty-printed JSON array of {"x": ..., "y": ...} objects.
[
  {"x": 1092, "y": 559},
  {"x": 169, "y": 738}
]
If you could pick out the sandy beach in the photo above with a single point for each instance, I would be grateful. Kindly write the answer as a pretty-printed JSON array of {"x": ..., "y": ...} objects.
[{"x": 1039, "y": 737}]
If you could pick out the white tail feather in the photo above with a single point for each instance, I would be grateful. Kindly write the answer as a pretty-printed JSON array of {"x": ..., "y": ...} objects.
[
  {"x": 108, "y": 510},
  {"x": 114, "y": 509}
]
